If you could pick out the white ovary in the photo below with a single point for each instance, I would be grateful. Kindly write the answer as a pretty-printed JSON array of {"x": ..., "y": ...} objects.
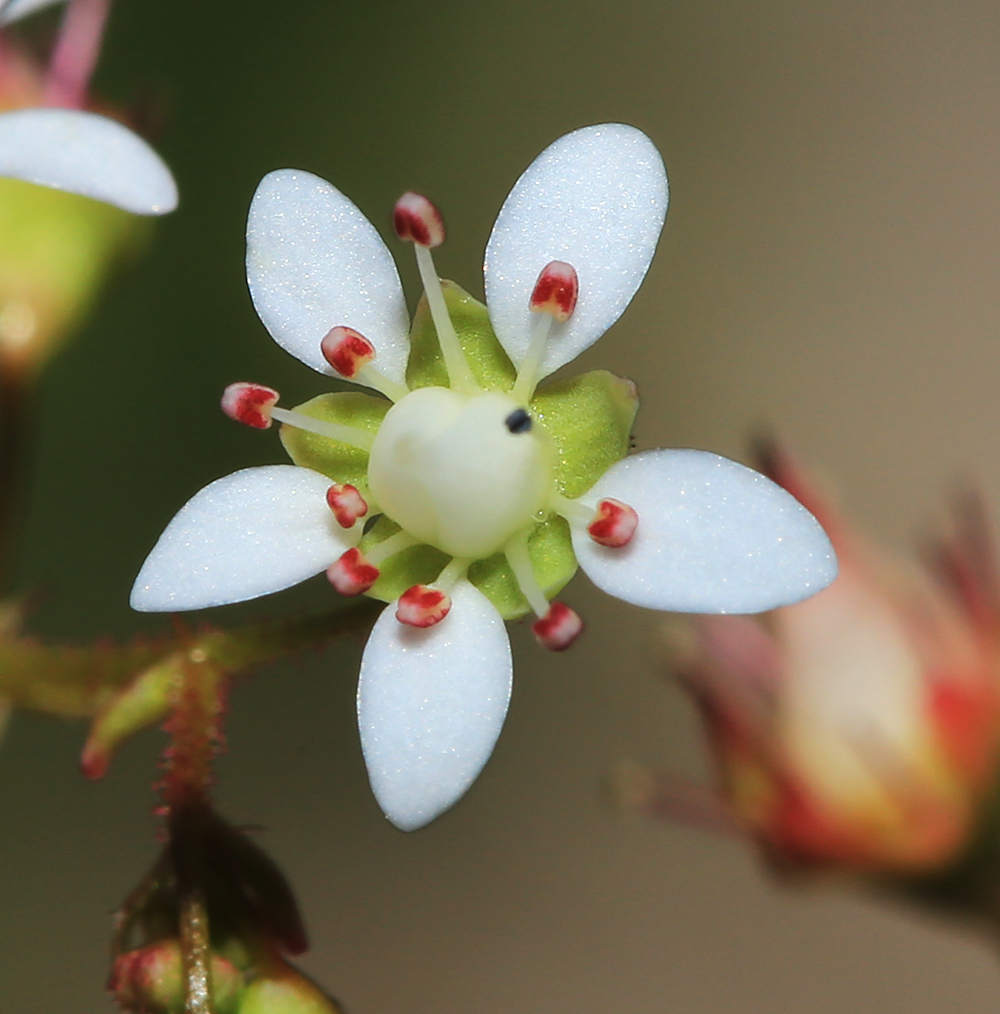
[{"x": 447, "y": 468}]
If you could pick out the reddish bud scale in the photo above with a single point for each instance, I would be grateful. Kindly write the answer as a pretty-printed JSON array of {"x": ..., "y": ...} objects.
[
  {"x": 417, "y": 220},
  {"x": 421, "y": 606},
  {"x": 352, "y": 574},
  {"x": 346, "y": 350},
  {"x": 249, "y": 404},
  {"x": 558, "y": 628},
  {"x": 556, "y": 291},
  {"x": 614, "y": 524},
  {"x": 346, "y": 503}
]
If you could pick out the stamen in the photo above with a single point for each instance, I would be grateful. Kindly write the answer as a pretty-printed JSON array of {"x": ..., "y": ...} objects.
[
  {"x": 346, "y": 350},
  {"x": 553, "y": 299},
  {"x": 250, "y": 404},
  {"x": 352, "y": 574},
  {"x": 425, "y": 605},
  {"x": 516, "y": 552},
  {"x": 350, "y": 435},
  {"x": 556, "y": 291},
  {"x": 558, "y": 628},
  {"x": 614, "y": 525},
  {"x": 574, "y": 511},
  {"x": 350, "y": 354},
  {"x": 422, "y": 606},
  {"x": 418, "y": 221},
  {"x": 378, "y": 554},
  {"x": 346, "y": 503}
]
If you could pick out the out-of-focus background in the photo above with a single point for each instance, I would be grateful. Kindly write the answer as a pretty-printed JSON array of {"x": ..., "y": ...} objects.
[{"x": 829, "y": 267}]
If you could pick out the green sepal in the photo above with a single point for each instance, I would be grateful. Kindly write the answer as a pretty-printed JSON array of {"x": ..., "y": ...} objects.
[
  {"x": 485, "y": 355},
  {"x": 552, "y": 558},
  {"x": 589, "y": 417},
  {"x": 416, "y": 565},
  {"x": 341, "y": 462},
  {"x": 549, "y": 546}
]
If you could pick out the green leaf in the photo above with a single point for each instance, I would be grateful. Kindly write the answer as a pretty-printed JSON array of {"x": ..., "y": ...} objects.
[
  {"x": 485, "y": 355},
  {"x": 341, "y": 462},
  {"x": 590, "y": 419}
]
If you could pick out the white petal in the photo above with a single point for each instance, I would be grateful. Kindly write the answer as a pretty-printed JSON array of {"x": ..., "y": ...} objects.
[
  {"x": 86, "y": 154},
  {"x": 431, "y": 704},
  {"x": 248, "y": 534},
  {"x": 314, "y": 262},
  {"x": 713, "y": 537},
  {"x": 595, "y": 199},
  {"x": 13, "y": 10}
]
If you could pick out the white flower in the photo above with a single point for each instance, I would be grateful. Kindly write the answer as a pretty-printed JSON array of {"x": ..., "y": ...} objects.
[
  {"x": 86, "y": 154},
  {"x": 14, "y": 10},
  {"x": 480, "y": 479}
]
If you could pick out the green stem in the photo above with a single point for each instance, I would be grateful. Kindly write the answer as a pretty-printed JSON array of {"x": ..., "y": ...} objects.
[{"x": 77, "y": 682}]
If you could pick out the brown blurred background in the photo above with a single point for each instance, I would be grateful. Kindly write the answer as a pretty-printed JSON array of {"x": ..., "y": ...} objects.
[{"x": 829, "y": 267}]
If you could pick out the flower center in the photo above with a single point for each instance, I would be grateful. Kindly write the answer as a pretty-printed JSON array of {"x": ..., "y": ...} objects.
[{"x": 461, "y": 472}]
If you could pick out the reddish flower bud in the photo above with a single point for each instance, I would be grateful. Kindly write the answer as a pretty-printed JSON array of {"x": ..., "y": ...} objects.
[
  {"x": 346, "y": 503},
  {"x": 151, "y": 980},
  {"x": 558, "y": 628},
  {"x": 421, "y": 606},
  {"x": 346, "y": 350},
  {"x": 352, "y": 574},
  {"x": 417, "y": 220},
  {"x": 250, "y": 404},
  {"x": 614, "y": 524},
  {"x": 556, "y": 291}
]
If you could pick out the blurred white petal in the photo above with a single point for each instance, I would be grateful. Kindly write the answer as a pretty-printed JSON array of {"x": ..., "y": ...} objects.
[
  {"x": 314, "y": 262},
  {"x": 431, "y": 704},
  {"x": 596, "y": 199},
  {"x": 713, "y": 537},
  {"x": 86, "y": 154},
  {"x": 14, "y": 10},
  {"x": 248, "y": 534}
]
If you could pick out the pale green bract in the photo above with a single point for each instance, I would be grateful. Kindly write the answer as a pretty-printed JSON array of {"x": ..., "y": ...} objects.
[{"x": 483, "y": 486}]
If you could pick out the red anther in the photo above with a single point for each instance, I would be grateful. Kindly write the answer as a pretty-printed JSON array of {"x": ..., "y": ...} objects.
[
  {"x": 556, "y": 290},
  {"x": 416, "y": 219},
  {"x": 352, "y": 574},
  {"x": 614, "y": 524},
  {"x": 421, "y": 606},
  {"x": 346, "y": 350},
  {"x": 346, "y": 503},
  {"x": 558, "y": 628},
  {"x": 250, "y": 404}
]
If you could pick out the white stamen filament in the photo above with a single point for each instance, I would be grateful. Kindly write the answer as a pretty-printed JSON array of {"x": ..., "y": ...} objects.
[
  {"x": 516, "y": 552},
  {"x": 459, "y": 372},
  {"x": 370, "y": 376},
  {"x": 451, "y": 574},
  {"x": 349, "y": 435},
  {"x": 527, "y": 373},
  {"x": 574, "y": 511},
  {"x": 390, "y": 547}
]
